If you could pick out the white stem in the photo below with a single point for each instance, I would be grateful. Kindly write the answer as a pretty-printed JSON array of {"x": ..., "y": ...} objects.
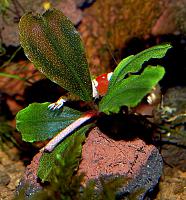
[{"x": 65, "y": 132}]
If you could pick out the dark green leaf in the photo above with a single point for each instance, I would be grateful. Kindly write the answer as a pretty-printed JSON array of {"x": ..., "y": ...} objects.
[
  {"x": 52, "y": 43},
  {"x": 70, "y": 149},
  {"x": 37, "y": 122},
  {"x": 131, "y": 90},
  {"x": 133, "y": 63}
]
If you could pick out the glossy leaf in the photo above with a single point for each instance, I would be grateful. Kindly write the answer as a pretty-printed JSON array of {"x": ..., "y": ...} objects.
[
  {"x": 37, "y": 122},
  {"x": 134, "y": 63},
  {"x": 131, "y": 90},
  {"x": 54, "y": 46},
  {"x": 69, "y": 150}
]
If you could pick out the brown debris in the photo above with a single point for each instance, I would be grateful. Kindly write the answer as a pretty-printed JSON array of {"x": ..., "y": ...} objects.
[{"x": 11, "y": 170}]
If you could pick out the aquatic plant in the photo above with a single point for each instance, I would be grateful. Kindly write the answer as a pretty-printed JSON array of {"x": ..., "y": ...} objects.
[{"x": 54, "y": 46}]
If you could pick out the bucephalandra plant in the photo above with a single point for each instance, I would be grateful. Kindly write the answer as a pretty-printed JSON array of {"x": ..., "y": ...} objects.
[{"x": 54, "y": 46}]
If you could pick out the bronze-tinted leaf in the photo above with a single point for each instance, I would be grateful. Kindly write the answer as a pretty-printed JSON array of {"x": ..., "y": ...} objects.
[{"x": 52, "y": 43}]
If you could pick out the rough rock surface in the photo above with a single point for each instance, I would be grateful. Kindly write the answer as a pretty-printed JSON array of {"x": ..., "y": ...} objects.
[
  {"x": 30, "y": 180},
  {"x": 104, "y": 156}
]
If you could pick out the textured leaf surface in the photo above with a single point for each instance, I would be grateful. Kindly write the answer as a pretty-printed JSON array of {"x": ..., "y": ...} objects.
[
  {"x": 133, "y": 63},
  {"x": 52, "y": 43},
  {"x": 37, "y": 122},
  {"x": 131, "y": 90},
  {"x": 70, "y": 149}
]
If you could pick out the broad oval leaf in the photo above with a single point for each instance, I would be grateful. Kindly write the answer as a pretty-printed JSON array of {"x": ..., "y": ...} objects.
[
  {"x": 37, "y": 122},
  {"x": 131, "y": 90},
  {"x": 69, "y": 150},
  {"x": 54, "y": 46},
  {"x": 134, "y": 63}
]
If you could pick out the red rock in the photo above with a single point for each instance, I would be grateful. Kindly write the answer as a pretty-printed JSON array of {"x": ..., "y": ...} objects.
[
  {"x": 30, "y": 178},
  {"x": 104, "y": 156}
]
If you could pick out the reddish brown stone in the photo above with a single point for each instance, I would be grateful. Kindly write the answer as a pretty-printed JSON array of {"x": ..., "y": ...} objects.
[
  {"x": 103, "y": 155},
  {"x": 30, "y": 179}
]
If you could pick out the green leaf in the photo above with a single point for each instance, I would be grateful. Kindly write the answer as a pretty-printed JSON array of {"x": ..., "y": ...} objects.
[
  {"x": 131, "y": 90},
  {"x": 70, "y": 149},
  {"x": 4, "y": 74},
  {"x": 54, "y": 46},
  {"x": 37, "y": 122},
  {"x": 133, "y": 63}
]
